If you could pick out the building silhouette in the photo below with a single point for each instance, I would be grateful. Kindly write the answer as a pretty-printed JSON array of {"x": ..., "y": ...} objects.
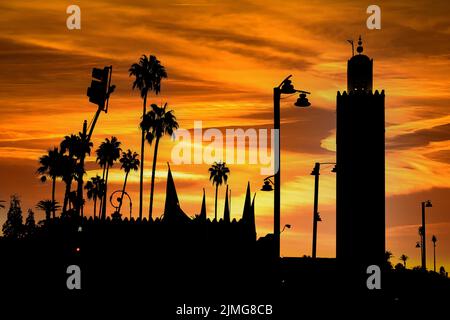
[{"x": 360, "y": 153}]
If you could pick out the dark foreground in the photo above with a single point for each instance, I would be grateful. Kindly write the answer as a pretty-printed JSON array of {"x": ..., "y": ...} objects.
[{"x": 125, "y": 273}]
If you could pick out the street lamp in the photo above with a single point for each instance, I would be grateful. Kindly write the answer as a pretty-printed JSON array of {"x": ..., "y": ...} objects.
[
  {"x": 434, "y": 240},
  {"x": 268, "y": 183},
  {"x": 425, "y": 204},
  {"x": 316, "y": 216},
  {"x": 119, "y": 200},
  {"x": 285, "y": 87},
  {"x": 286, "y": 226}
]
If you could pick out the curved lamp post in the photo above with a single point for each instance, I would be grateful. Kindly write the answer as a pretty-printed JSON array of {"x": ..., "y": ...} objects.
[
  {"x": 116, "y": 213},
  {"x": 285, "y": 87},
  {"x": 316, "y": 216},
  {"x": 425, "y": 204}
]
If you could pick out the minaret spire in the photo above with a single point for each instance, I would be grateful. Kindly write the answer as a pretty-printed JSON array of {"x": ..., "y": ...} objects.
[{"x": 360, "y": 48}]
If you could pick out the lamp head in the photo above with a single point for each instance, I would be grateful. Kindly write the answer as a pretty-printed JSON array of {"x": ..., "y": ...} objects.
[
  {"x": 302, "y": 101},
  {"x": 267, "y": 186},
  {"x": 318, "y": 218},
  {"x": 428, "y": 204},
  {"x": 287, "y": 87},
  {"x": 334, "y": 168},
  {"x": 417, "y": 245}
]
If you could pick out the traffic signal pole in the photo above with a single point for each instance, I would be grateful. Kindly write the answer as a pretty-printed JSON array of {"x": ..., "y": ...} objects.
[{"x": 100, "y": 98}]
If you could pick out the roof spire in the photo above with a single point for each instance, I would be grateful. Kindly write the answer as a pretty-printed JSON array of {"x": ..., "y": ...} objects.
[{"x": 360, "y": 47}]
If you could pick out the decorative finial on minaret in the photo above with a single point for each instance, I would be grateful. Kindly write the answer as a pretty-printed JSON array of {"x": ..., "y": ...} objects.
[{"x": 360, "y": 48}]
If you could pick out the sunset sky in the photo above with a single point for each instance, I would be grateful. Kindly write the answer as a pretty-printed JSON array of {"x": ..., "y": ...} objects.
[{"x": 223, "y": 58}]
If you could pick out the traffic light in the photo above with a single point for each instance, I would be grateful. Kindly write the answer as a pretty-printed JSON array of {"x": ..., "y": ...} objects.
[{"x": 99, "y": 90}]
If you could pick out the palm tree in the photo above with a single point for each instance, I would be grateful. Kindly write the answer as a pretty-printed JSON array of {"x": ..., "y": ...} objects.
[
  {"x": 68, "y": 174},
  {"x": 76, "y": 146},
  {"x": 129, "y": 162},
  {"x": 218, "y": 175},
  {"x": 95, "y": 190},
  {"x": 48, "y": 206},
  {"x": 148, "y": 74},
  {"x": 403, "y": 258},
  {"x": 51, "y": 167},
  {"x": 156, "y": 123},
  {"x": 107, "y": 154}
]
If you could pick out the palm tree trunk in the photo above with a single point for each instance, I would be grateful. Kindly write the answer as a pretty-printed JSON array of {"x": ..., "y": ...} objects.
[
  {"x": 106, "y": 193},
  {"x": 215, "y": 204},
  {"x": 141, "y": 180},
  {"x": 100, "y": 210},
  {"x": 155, "y": 157},
  {"x": 53, "y": 195},
  {"x": 95, "y": 205},
  {"x": 123, "y": 191},
  {"x": 66, "y": 196}
]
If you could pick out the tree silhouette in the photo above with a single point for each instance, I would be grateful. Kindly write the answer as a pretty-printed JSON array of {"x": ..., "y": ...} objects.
[
  {"x": 48, "y": 206},
  {"x": 95, "y": 190},
  {"x": 76, "y": 147},
  {"x": 129, "y": 161},
  {"x": 30, "y": 224},
  {"x": 387, "y": 256},
  {"x": 403, "y": 258},
  {"x": 68, "y": 174},
  {"x": 156, "y": 123},
  {"x": 51, "y": 167},
  {"x": 148, "y": 74},
  {"x": 13, "y": 226},
  {"x": 218, "y": 175},
  {"x": 442, "y": 271},
  {"x": 107, "y": 154}
]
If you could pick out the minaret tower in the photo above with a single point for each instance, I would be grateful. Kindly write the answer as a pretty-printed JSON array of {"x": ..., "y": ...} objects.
[{"x": 360, "y": 158}]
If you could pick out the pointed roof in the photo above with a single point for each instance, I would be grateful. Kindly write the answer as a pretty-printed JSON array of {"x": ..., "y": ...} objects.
[
  {"x": 226, "y": 211},
  {"x": 203, "y": 210},
  {"x": 172, "y": 209},
  {"x": 252, "y": 224},
  {"x": 247, "y": 205}
]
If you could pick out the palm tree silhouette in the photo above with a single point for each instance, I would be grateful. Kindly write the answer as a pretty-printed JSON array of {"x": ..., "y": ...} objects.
[
  {"x": 403, "y": 258},
  {"x": 51, "y": 167},
  {"x": 68, "y": 174},
  {"x": 77, "y": 146},
  {"x": 48, "y": 206},
  {"x": 156, "y": 123},
  {"x": 218, "y": 175},
  {"x": 148, "y": 74},
  {"x": 95, "y": 189},
  {"x": 129, "y": 162},
  {"x": 107, "y": 153}
]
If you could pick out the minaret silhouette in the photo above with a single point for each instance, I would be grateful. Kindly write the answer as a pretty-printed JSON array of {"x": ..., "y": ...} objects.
[{"x": 360, "y": 153}]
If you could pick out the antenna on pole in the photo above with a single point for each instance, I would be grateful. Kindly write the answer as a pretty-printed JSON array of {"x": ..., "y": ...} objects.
[{"x": 353, "y": 47}]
